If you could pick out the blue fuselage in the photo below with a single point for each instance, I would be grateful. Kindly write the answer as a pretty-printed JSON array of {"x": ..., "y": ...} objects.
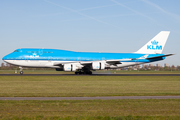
[{"x": 64, "y": 55}]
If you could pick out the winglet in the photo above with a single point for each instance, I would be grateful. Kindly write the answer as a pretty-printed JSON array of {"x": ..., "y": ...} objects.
[{"x": 155, "y": 45}]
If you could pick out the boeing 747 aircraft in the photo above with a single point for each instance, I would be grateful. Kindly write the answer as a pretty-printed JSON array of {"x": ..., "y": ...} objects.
[{"x": 85, "y": 62}]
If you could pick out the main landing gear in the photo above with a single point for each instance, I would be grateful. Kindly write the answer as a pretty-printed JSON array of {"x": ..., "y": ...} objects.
[
  {"x": 21, "y": 70},
  {"x": 83, "y": 72}
]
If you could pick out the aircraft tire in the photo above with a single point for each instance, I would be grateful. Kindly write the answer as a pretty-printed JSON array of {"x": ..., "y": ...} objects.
[{"x": 21, "y": 72}]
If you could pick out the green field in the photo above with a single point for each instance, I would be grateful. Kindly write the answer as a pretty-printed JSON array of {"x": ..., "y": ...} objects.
[
  {"x": 58, "y": 86},
  {"x": 91, "y": 109}
]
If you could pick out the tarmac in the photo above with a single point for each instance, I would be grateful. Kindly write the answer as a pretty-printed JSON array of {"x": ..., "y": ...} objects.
[
  {"x": 90, "y": 75},
  {"x": 90, "y": 98}
]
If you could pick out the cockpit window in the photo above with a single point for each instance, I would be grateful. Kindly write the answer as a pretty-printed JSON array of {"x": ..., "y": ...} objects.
[{"x": 16, "y": 51}]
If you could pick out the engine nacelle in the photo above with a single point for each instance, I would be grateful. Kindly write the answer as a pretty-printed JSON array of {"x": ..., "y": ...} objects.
[
  {"x": 102, "y": 66},
  {"x": 69, "y": 67},
  {"x": 98, "y": 66}
]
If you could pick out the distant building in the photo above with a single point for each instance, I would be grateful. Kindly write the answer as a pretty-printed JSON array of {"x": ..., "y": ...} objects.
[
  {"x": 150, "y": 65},
  {"x": 135, "y": 67},
  {"x": 145, "y": 66},
  {"x": 178, "y": 67},
  {"x": 158, "y": 65},
  {"x": 138, "y": 66},
  {"x": 166, "y": 65}
]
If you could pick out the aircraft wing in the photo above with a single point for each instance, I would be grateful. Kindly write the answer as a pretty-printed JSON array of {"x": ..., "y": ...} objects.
[
  {"x": 62, "y": 63},
  {"x": 116, "y": 61}
]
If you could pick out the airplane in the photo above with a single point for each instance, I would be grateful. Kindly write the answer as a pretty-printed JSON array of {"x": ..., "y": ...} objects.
[{"x": 86, "y": 62}]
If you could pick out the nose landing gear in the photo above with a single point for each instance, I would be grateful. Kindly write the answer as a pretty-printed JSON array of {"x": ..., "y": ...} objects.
[{"x": 21, "y": 70}]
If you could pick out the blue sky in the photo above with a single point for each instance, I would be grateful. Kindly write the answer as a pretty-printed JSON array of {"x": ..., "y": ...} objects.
[{"x": 89, "y": 25}]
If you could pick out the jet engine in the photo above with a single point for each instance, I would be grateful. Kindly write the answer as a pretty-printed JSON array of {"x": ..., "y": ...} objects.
[
  {"x": 98, "y": 65},
  {"x": 69, "y": 67}
]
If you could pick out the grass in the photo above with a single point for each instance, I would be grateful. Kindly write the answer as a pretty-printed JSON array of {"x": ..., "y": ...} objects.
[
  {"x": 35, "y": 86},
  {"x": 71, "y": 86},
  {"x": 91, "y": 109}
]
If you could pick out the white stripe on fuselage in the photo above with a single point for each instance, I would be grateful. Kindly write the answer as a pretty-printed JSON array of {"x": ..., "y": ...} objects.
[
  {"x": 50, "y": 64},
  {"x": 34, "y": 63}
]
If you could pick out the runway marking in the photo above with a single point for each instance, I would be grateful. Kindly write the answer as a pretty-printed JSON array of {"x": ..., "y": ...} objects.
[
  {"x": 90, "y": 75},
  {"x": 90, "y": 98}
]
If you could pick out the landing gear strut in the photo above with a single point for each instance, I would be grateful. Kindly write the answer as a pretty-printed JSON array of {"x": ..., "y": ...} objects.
[
  {"x": 21, "y": 70},
  {"x": 83, "y": 72}
]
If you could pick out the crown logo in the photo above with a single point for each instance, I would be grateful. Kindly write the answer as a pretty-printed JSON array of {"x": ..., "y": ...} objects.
[{"x": 154, "y": 42}]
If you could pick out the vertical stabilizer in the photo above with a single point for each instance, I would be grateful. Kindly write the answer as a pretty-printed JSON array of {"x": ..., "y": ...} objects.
[{"x": 155, "y": 45}]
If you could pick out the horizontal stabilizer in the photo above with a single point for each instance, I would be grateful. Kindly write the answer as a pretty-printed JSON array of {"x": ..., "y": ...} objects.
[{"x": 160, "y": 56}]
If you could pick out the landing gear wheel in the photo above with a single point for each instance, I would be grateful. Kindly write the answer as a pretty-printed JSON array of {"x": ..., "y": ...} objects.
[
  {"x": 21, "y": 72},
  {"x": 84, "y": 72},
  {"x": 90, "y": 73}
]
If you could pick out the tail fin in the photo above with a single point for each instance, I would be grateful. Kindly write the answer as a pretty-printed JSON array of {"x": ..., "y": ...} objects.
[{"x": 155, "y": 45}]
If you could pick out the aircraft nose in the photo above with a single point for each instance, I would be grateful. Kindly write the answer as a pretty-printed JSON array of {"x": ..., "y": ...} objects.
[{"x": 4, "y": 58}]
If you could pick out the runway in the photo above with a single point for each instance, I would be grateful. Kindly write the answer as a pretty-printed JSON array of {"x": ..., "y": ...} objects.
[
  {"x": 90, "y": 75},
  {"x": 90, "y": 98}
]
